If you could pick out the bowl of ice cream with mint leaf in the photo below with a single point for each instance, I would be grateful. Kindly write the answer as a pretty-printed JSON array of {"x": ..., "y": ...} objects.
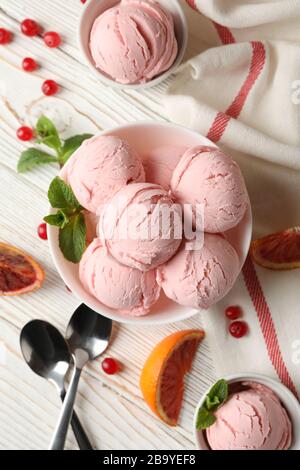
[
  {"x": 114, "y": 181},
  {"x": 247, "y": 412}
]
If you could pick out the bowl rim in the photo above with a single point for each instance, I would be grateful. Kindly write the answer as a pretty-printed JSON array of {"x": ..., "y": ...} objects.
[
  {"x": 275, "y": 385},
  {"x": 137, "y": 86},
  {"x": 114, "y": 315}
]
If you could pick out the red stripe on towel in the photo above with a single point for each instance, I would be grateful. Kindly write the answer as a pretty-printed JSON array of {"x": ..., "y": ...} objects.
[
  {"x": 222, "y": 119},
  {"x": 192, "y": 4},
  {"x": 257, "y": 65},
  {"x": 266, "y": 324},
  {"x": 224, "y": 33}
]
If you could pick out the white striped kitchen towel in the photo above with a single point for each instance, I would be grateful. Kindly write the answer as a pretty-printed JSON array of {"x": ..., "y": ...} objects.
[{"x": 242, "y": 90}]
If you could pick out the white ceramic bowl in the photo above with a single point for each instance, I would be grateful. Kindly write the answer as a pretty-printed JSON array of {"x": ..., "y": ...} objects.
[
  {"x": 94, "y": 8},
  {"x": 148, "y": 136},
  {"x": 287, "y": 398}
]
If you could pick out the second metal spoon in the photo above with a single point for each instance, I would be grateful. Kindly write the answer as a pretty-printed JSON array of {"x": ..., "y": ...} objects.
[
  {"x": 88, "y": 336},
  {"x": 46, "y": 352}
]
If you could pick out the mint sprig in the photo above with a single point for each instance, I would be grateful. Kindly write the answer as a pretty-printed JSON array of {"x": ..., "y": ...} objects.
[
  {"x": 69, "y": 218},
  {"x": 33, "y": 157},
  {"x": 216, "y": 397},
  {"x": 72, "y": 238},
  {"x": 61, "y": 196},
  {"x": 48, "y": 135},
  {"x": 60, "y": 219}
]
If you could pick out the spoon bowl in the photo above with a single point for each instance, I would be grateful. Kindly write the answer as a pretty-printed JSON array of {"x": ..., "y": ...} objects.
[
  {"x": 88, "y": 334},
  {"x": 45, "y": 351}
]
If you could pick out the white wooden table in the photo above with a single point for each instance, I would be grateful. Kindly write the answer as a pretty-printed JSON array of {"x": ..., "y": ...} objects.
[{"x": 111, "y": 408}]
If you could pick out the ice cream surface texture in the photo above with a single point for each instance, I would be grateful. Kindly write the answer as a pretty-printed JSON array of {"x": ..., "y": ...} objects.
[
  {"x": 200, "y": 278},
  {"x": 160, "y": 162},
  {"x": 142, "y": 226},
  {"x": 99, "y": 168},
  {"x": 134, "y": 41},
  {"x": 208, "y": 177},
  {"x": 252, "y": 419},
  {"x": 128, "y": 290}
]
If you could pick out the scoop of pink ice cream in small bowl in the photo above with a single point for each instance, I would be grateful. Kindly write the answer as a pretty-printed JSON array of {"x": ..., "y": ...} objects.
[
  {"x": 147, "y": 280},
  {"x": 247, "y": 412},
  {"x": 133, "y": 43}
]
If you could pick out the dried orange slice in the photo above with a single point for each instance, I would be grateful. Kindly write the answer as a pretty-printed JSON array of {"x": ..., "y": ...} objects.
[
  {"x": 162, "y": 378},
  {"x": 279, "y": 251},
  {"x": 19, "y": 273}
]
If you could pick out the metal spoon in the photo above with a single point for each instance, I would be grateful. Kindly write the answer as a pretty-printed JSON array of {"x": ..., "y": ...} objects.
[
  {"x": 46, "y": 352},
  {"x": 88, "y": 335}
]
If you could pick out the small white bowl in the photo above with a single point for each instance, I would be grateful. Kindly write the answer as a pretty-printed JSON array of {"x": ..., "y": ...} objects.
[
  {"x": 287, "y": 398},
  {"x": 94, "y": 8},
  {"x": 148, "y": 136}
]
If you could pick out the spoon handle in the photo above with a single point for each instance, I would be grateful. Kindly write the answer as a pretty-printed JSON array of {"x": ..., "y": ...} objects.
[
  {"x": 80, "y": 434},
  {"x": 61, "y": 430}
]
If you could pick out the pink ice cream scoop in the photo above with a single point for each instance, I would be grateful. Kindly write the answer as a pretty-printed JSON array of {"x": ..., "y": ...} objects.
[
  {"x": 160, "y": 162},
  {"x": 200, "y": 278},
  {"x": 252, "y": 419},
  {"x": 142, "y": 226},
  {"x": 209, "y": 178},
  {"x": 128, "y": 290},
  {"x": 134, "y": 41},
  {"x": 99, "y": 168}
]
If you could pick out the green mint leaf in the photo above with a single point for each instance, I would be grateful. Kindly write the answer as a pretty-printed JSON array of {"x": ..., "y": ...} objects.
[
  {"x": 57, "y": 220},
  {"x": 65, "y": 216},
  {"x": 52, "y": 142},
  {"x": 71, "y": 145},
  {"x": 219, "y": 392},
  {"x": 72, "y": 239},
  {"x": 217, "y": 395},
  {"x": 212, "y": 404},
  {"x": 33, "y": 157},
  {"x": 48, "y": 134},
  {"x": 61, "y": 196},
  {"x": 205, "y": 418},
  {"x": 61, "y": 219}
]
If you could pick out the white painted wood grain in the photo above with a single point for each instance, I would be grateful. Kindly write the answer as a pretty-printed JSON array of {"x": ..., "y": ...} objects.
[{"x": 111, "y": 408}]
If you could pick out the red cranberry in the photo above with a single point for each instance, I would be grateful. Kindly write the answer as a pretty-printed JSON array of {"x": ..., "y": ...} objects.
[
  {"x": 83, "y": 1},
  {"x": 5, "y": 36},
  {"x": 42, "y": 231},
  {"x": 30, "y": 27},
  {"x": 52, "y": 39},
  {"x": 25, "y": 133},
  {"x": 238, "y": 329},
  {"x": 110, "y": 366},
  {"x": 50, "y": 87},
  {"x": 29, "y": 64},
  {"x": 233, "y": 312}
]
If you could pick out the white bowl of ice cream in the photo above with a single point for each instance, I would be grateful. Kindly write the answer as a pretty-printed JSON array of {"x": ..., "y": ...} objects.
[
  {"x": 161, "y": 148},
  {"x": 133, "y": 43},
  {"x": 259, "y": 414}
]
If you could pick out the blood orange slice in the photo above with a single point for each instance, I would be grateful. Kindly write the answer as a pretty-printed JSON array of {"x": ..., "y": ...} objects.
[
  {"x": 162, "y": 378},
  {"x": 19, "y": 273},
  {"x": 279, "y": 251}
]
